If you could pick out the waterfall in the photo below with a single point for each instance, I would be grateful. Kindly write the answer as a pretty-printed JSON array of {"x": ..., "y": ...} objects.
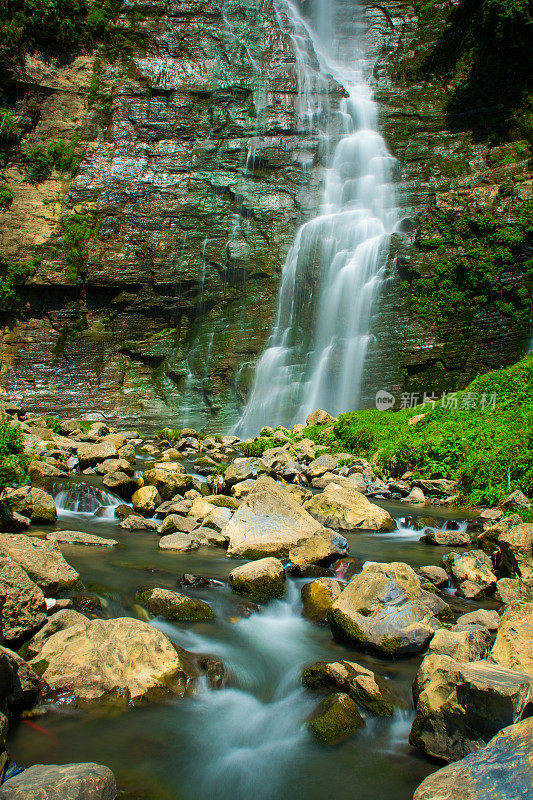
[{"x": 315, "y": 355}]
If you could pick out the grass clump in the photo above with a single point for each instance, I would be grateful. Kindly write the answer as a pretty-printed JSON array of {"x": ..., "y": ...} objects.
[
  {"x": 13, "y": 275},
  {"x": 13, "y": 460},
  {"x": 78, "y": 229},
  {"x": 482, "y": 437},
  {"x": 254, "y": 448},
  {"x": 6, "y": 196},
  {"x": 60, "y": 154}
]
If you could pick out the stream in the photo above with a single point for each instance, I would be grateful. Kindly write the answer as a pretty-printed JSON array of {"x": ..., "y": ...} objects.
[{"x": 246, "y": 739}]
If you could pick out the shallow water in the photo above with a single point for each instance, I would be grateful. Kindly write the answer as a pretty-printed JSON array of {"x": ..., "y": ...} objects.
[{"x": 246, "y": 740}]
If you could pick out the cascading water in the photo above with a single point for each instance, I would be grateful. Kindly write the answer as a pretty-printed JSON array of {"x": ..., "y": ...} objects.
[{"x": 315, "y": 356}]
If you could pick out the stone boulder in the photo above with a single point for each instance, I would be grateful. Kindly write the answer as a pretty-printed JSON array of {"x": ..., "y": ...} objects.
[
  {"x": 79, "y": 537},
  {"x": 260, "y": 580},
  {"x": 384, "y": 609},
  {"x": 117, "y": 661},
  {"x": 169, "y": 478},
  {"x": 177, "y": 522},
  {"x": 39, "y": 472},
  {"x": 446, "y": 538},
  {"x": 89, "y": 455},
  {"x": 145, "y": 500},
  {"x": 469, "y": 644},
  {"x": 19, "y": 685},
  {"x": 270, "y": 521},
  {"x": 175, "y": 606},
  {"x": 346, "y": 509},
  {"x": 66, "y": 782},
  {"x": 321, "y": 547},
  {"x": 24, "y": 609},
  {"x": 461, "y": 706},
  {"x": 516, "y": 547},
  {"x": 41, "y": 560},
  {"x": 470, "y": 569},
  {"x": 321, "y": 466},
  {"x": 481, "y": 618},
  {"x": 59, "y": 621},
  {"x": 318, "y": 597},
  {"x": 435, "y": 575},
  {"x": 361, "y": 684},
  {"x": 114, "y": 465},
  {"x": 33, "y": 503},
  {"x": 503, "y": 770},
  {"x": 122, "y": 484},
  {"x": 335, "y": 719},
  {"x": 513, "y": 647},
  {"x": 241, "y": 470},
  {"x": 181, "y": 542},
  {"x": 442, "y": 487},
  {"x": 320, "y": 417}
]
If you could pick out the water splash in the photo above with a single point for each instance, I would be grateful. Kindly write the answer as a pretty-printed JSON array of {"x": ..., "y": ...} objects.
[
  {"x": 315, "y": 356},
  {"x": 84, "y": 500}
]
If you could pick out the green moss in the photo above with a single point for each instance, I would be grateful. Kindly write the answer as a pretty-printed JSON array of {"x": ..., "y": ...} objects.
[
  {"x": 13, "y": 275},
  {"x": 390, "y": 644},
  {"x": 40, "y": 667},
  {"x": 344, "y": 629},
  {"x": 315, "y": 676},
  {"x": 13, "y": 460},
  {"x": 260, "y": 589},
  {"x": 6, "y": 196}
]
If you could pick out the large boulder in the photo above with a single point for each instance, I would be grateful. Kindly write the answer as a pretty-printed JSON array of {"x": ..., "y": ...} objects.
[
  {"x": 243, "y": 469},
  {"x": 469, "y": 644},
  {"x": 146, "y": 499},
  {"x": 41, "y": 560},
  {"x": 117, "y": 661},
  {"x": 59, "y": 621},
  {"x": 461, "y": 706},
  {"x": 384, "y": 609},
  {"x": 470, "y": 569},
  {"x": 319, "y": 417},
  {"x": 89, "y": 455},
  {"x": 318, "y": 597},
  {"x": 122, "y": 484},
  {"x": 169, "y": 478},
  {"x": 503, "y": 770},
  {"x": 259, "y": 580},
  {"x": 335, "y": 719},
  {"x": 363, "y": 685},
  {"x": 346, "y": 509},
  {"x": 270, "y": 521},
  {"x": 514, "y": 641},
  {"x": 516, "y": 547},
  {"x": 24, "y": 610},
  {"x": 64, "y": 782},
  {"x": 321, "y": 465},
  {"x": 34, "y": 503},
  {"x": 175, "y": 606},
  {"x": 19, "y": 685}
]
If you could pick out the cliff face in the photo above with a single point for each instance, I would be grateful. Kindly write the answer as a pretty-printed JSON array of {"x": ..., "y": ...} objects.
[{"x": 158, "y": 262}]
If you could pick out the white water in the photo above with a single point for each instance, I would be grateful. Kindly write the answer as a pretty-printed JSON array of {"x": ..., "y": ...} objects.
[
  {"x": 85, "y": 501},
  {"x": 315, "y": 356}
]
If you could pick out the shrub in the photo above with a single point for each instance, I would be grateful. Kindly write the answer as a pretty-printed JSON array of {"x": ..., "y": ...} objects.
[
  {"x": 12, "y": 275},
  {"x": 6, "y": 196},
  {"x": 78, "y": 229},
  {"x": 13, "y": 461},
  {"x": 39, "y": 161},
  {"x": 9, "y": 129}
]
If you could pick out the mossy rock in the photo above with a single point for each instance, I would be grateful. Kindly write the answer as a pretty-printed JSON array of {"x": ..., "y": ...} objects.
[
  {"x": 335, "y": 719},
  {"x": 175, "y": 606},
  {"x": 344, "y": 629}
]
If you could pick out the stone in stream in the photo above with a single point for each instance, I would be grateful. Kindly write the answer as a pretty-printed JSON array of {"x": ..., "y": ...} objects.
[
  {"x": 56, "y": 622},
  {"x": 481, "y": 617},
  {"x": 178, "y": 541},
  {"x": 169, "y": 478},
  {"x": 114, "y": 661},
  {"x": 355, "y": 481},
  {"x": 321, "y": 465},
  {"x": 174, "y": 606},
  {"x": 516, "y": 547},
  {"x": 135, "y": 523},
  {"x": 243, "y": 469},
  {"x": 24, "y": 607},
  {"x": 89, "y": 455},
  {"x": 471, "y": 572},
  {"x": 270, "y": 522},
  {"x": 335, "y": 719},
  {"x": 435, "y": 575},
  {"x": 65, "y": 782},
  {"x": 514, "y": 641},
  {"x": 31, "y": 502},
  {"x": 260, "y": 580},
  {"x": 39, "y": 472},
  {"x": 41, "y": 560},
  {"x": 346, "y": 509},
  {"x": 120, "y": 483},
  {"x": 461, "y": 706},
  {"x": 114, "y": 465},
  {"x": 243, "y": 488},
  {"x": 145, "y": 500},
  {"x": 361, "y": 684},
  {"x": 384, "y": 609},
  {"x": 469, "y": 644},
  {"x": 318, "y": 597},
  {"x": 446, "y": 538},
  {"x": 19, "y": 685},
  {"x": 79, "y": 537},
  {"x": 176, "y": 522},
  {"x": 502, "y": 770}
]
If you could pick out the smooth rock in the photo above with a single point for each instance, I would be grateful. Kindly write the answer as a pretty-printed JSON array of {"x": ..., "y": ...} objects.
[
  {"x": 318, "y": 597},
  {"x": 319, "y": 417},
  {"x": 90, "y": 455},
  {"x": 19, "y": 685},
  {"x": 63, "y": 782},
  {"x": 259, "y": 580},
  {"x": 346, "y": 509},
  {"x": 175, "y": 606},
  {"x": 169, "y": 478},
  {"x": 41, "y": 560},
  {"x": 146, "y": 499},
  {"x": 447, "y": 538},
  {"x": 435, "y": 575},
  {"x": 178, "y": 541},
  {"x": 516, "y": 547}
]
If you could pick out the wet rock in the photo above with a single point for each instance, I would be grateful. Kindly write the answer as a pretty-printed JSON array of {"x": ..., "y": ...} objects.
[
  {"x": 31, "y": 502},
  {"x": 435, "y": 575},
  {"x": 242, "y": 469},
  {"x": 135, "y": 523},
  {"x": 335, "y": 719},
  {"x": 12, "y": 522},
  {"x": 66, "y": 782},
  {"x": 318, "y": 597},
  {"x": 87, "y": 603},
  {"x": 175, "y": 606},
  {"x": 89, "y": 455},
  {"x": 199, "y": 581},
  {"x": 320, "y": 417},
  {"x": 345, "y": 568},
  {"x": 416, "y": 496},
  {"x": 124, "y": 485},
  {"x": 260, "y": 580},
  {"x": 39, "y": 472},
  {"x": 513, "y": 647},
  {"x": 115, "y": 661},
  {"x": 178, "y": 541},
  {"x": 503, "y": 770},
  {"x": 175, "y": 522},
  {"x": 442, "y": 487},
  {"x": 471, "y": 572},
  {"x": 114, "y": 465},
  {"x": 482, "y": 617},
  {"x": 385, "y": 609},
  {"x": 346, "y": 509},
  {"x": 308, "y": 571},
  {"x": 24, "y": 607},
  {"x": 79, "y": 537},
  {"x": 168, "y": 478},
  {"x": 461, "y": 706},
  {"x": 469, "y": 644},
  {"x": 122, "y": 511},
  {"x": 361, "y": 684},
  {"x": 19, "y": 685},
  {"x": 516, "y": 547},
  {"x": 57, "y": 622},
  {"x": 269, "y": 522},
  {"x": 146, "y": 499},
  {"x": 41, "y": 560},
  {"x": 487, "y": 539},
  {"x": 516, "y": 500},
  {"x": 321, "y": 547},
  {"x": 447, "y": 538}
]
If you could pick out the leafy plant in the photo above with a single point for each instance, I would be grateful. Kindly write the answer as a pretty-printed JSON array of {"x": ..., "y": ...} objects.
[
  {"x": 13, "y": 461},
  {"x": 78, "y": 229},
  {"x": 9, "y": 129},
  {"x": 13, "y": 274},
  {"x": 6, "y": 196}
]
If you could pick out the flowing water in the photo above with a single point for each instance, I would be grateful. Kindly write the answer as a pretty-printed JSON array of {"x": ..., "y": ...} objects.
[
  {"x": 247, "y": 739},
  {"x": 315, "y": 356}
]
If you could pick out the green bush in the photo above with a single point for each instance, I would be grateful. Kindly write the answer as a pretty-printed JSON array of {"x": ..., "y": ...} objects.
[
  {"x": 78, "y": 229},
  {"x": 6, "y": 196},
  {"x": 13, "y": 461},
  {"x": 12, "y": 276},
  {"x": 9, "y": 129},
  {"x": 254, "y": 448},
  {"x": 39, "y": 161}
]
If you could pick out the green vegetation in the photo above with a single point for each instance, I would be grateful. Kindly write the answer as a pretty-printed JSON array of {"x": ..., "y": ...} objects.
[
  {"x": 172, "y": 434},
  {"x": 6, "y": 196},
  {"x": 9, "y": 129},
  {"x": 12, "y": 276},
  {"x": 60, "y": 154},
  {"x": 53, "y": 423},
  {"x": 485, "y": 55},
  {"x": 255, "y": 448},
  {"x": 469, "y": 267},
  {"x": 482, "y": 436},
  {"x": 13, "y": 461},
  {"x": 78, "y": 229}
]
